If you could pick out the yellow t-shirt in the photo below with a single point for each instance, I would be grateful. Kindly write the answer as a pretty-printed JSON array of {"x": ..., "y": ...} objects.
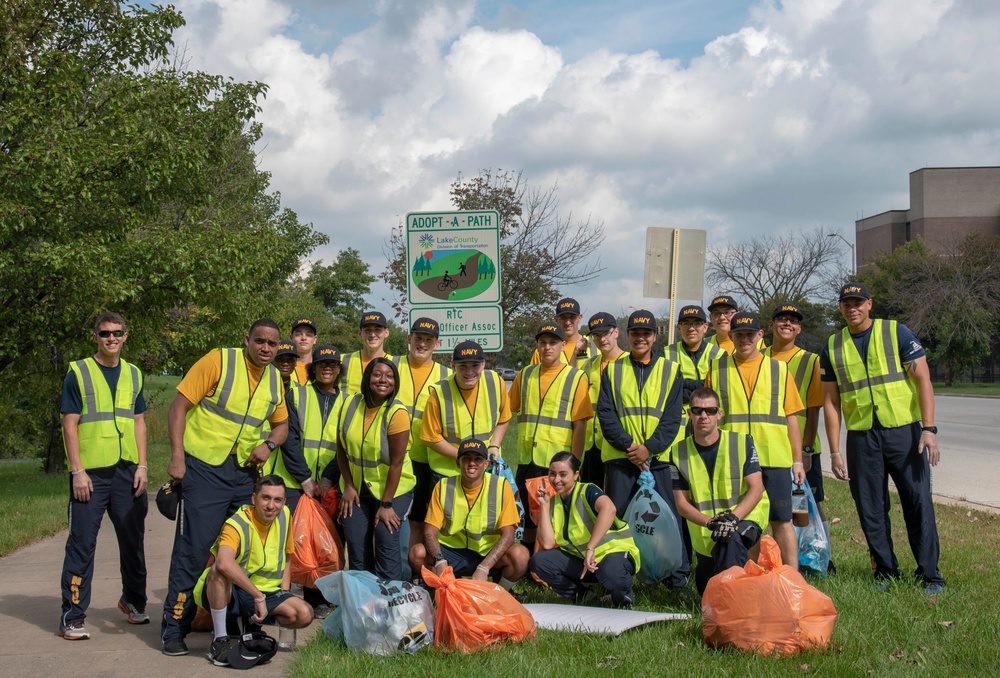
[
  {"x": 433, "y": 432},
  {"x": 419, "y": 374},
  {"x": 814, "y": 396},
  {"x": 569, "y": 353},
  {"x": 400, "y": 422},
  {"x": 582, "y": 408},
  {"x": 203, "y": 378},
  {"x": 301, "y": 373},
  {"x": 749, "y": 369},
  {"x": 230, "y": 536},
  {"x": 508, "y": 515}
]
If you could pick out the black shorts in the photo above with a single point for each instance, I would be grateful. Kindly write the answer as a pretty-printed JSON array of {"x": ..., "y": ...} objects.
[
  {"x": 465, "y": 561},
  {"x": 815, "y": 478},
  {"x": 241, "y": 603},
  {"x": 778, "y": 485},
  {"x": 422, "y": 490},
  {"x": 524, "y": 472}
]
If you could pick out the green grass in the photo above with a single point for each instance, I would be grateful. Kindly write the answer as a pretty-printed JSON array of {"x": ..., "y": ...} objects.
[{"x": 968, "y": 389}]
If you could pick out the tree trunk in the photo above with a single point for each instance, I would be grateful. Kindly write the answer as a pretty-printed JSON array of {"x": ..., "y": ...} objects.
[
  {"x": 948, "y": 374},
  {"x": 55, "y": 453}
]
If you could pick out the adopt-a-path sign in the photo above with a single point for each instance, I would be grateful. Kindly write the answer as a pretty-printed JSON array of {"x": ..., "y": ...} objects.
[{"x": 453, "y": 257}]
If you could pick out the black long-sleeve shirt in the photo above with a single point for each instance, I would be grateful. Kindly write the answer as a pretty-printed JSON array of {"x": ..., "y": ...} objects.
[
  {"x": 291, "y": 450},
  {"x": 666, "y": 430}
]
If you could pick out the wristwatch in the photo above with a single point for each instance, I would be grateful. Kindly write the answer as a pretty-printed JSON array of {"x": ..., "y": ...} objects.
[
  {"x": 270, "y": 445},
  {"x": 385, "y": 504},
  {"x": 808, "y": 449},
  {"x": 929, "y": 429},
  {"x": 438, "y": 558}
]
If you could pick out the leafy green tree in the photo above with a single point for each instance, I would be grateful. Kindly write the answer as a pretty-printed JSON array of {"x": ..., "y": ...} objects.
[
  {"x": 342, "y": 286},
  {"x": 130, "y": 184}
]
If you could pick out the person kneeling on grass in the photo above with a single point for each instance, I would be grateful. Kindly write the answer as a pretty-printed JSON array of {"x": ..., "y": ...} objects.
[
  {"x": 720, "y": 491},
  {"x": 470, "y": 523},
  {"x": 250, "y": 576},
  {"x": 581, "y": 539}
]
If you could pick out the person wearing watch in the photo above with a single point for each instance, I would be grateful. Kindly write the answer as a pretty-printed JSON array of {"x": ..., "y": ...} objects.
[
  {"x": 376, "y": 474},
  {"x": 875, "y": 376}
]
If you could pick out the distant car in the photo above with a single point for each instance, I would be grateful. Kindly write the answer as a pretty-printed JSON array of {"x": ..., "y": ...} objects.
[{"x": 507, "y": 374}]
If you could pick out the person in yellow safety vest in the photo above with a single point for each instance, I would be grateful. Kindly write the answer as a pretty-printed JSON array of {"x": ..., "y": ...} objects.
[
  {"x": 603, "y": 330},
  {"x": 875, "y": 372},
  {"x": 721, "y": 311},
  {"x": 552, "y": 400},
  {"x": 581, "y": 540},
  {"x": 374, "y": 330},
  {"x": 472, "y": 403},
  {"x": 470, "y": 524},
  {"x": 375, "y": 472},
  {"x": 692, "y": 354},
  {"x": 286, "y": 360},
  {"x": 640, "y": 411},
  {"x": 304, "y": 336},
  {"x": 786, "y": 326},
  {"x": 215, "y": 425},
  {"x": 577, "y": 351},
  {"x": 250, "y": 575},
  {"x": 760, "y": 398},
  {"x": 417, "y": 373},
  {"x": 719, "y": 490},
  {"x": 104, "y": 433}
]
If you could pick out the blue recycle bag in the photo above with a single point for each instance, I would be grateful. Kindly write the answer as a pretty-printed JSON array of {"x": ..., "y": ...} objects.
[
  {"x": 655, "y": 531},
  {"x": 814, "y": 547},
  {"x": 501, "y": 468},
  {"x": 375, "y": 615}
]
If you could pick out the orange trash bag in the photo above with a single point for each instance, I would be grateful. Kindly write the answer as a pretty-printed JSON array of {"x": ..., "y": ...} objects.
[
  {"x": 331, "y": 502},
  {"x": 472, "y": 615},
  {"x": 318, "y": 550},
  {"x": 531, "y": 486},
  {"x": 766, "y": 607}
]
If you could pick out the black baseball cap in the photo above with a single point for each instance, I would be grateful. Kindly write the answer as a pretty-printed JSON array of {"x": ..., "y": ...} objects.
[
  {"x": 373, "y": 318},
  {"x": 567, "y": 305},
  {"x": 854, "y": 290},
  {"x": 468, "y": 352},
  {"x": 743, "y": 322},
  {"x": 168, "y": 498},
  {"x": 549, "y": 328},
  {"x": 251, "y": 649},
  {"x": 601, "y": 322},
  {"x": 286, "y": 348},
  {"x": 426, "y": 326},
  {"x": 472, "y": 446},
  {"x": 723, "y": 300},
  {"x": 326, "y": 352},
  {"x": 642, "y": 320},
  {"x": 304, "y": 321},
  {"x": 696, "y": 312},
  {"x": 787, "y": 309}
]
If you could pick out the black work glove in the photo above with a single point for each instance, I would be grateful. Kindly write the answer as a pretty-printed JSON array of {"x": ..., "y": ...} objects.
[{"x": 723, "y": 526}]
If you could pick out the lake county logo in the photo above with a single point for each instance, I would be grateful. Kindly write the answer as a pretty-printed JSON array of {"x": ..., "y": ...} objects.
[{"x": 427, "y": 241}]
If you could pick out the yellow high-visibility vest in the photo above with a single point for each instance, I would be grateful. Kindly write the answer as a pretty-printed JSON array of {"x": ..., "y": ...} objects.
[
  {"x": 106, "y": 431},
  {"x": 368, "y": 454},
  {"x": 582, "y": 519},
  {"x": 639, "y": 411},
  {"x": 416, "y": 403},
  {"x": 544, "y": 425},
  {"x": 457, "y": 423},
  {"x": 475, "y": 527}
]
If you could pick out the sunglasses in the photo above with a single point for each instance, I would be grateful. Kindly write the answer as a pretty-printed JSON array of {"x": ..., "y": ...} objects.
[
  {"x": 104, "y": 334},
  {"x": 695, "y": 411}
]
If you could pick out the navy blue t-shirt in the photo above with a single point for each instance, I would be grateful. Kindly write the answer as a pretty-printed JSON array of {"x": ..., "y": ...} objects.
[
  {"x": 72, "y": 400},
  {"x": 908, "y": 347},
  {"x": 709, "y": 453}
]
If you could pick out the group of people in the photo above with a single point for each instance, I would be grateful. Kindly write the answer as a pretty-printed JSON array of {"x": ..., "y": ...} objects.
[{"x": 724, "y": 425}]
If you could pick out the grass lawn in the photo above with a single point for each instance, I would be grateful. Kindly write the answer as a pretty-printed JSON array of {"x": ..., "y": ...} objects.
[{"x": 968, "y": 389}]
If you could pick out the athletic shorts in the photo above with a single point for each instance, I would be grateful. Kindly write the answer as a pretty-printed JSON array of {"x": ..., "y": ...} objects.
[
  {"x": 422, "y": 490},
  {"x": 465, "y": 561},
  {"x": 778, "y": 485},
  {"x": 815, "y": 477},
  {"x": 241, "y": 603}
]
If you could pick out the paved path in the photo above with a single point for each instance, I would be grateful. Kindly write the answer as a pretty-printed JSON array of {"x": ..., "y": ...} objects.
[{"x": 29, "y": 616}]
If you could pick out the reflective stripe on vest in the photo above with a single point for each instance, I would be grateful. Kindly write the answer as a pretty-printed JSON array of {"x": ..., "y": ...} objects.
[
  {"x": 544, "y": 427},
  {"x": 416, "y": 403},
  {"x": 366, "y": 451},
  {"x": 595, "y": 370},
  {"x": 761, "y": 415},
  {"x": 879, "y": 384},
  {"x": 106, "y": 429},
  {"x": 722, "y": 490},
  {"x": 582, "y": 520},
  {"x": 256, "y": 557},
  {"x": 351, "y": 371},
  {"x": 457, "y": 423},
  {"x": 471, "y": 527},
  {"x": 802, "y": 366},
  {"x": 639, "y": 411}
]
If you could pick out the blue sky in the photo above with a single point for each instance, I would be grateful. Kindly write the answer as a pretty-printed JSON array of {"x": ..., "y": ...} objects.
[{"x": 741, "y": 118}]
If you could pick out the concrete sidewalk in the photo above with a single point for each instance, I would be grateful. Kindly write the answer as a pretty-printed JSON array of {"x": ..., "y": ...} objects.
[{"x": 30, "y": 608}]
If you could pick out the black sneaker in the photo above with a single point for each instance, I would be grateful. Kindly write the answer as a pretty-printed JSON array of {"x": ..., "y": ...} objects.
[
  {"x": 219, "y": 654},
  {"x": 175, "y": 647},
  {"x": 322, "y": 611}
]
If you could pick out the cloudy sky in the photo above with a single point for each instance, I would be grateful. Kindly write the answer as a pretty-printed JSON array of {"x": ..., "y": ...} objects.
[{"x": 740, "y": 118}]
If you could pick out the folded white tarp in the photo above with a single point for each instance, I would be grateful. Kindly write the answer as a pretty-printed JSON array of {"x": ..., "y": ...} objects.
[{"x": 598, "y": 620}]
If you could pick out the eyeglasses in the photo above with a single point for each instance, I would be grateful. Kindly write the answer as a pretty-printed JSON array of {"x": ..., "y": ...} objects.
[
  {"x": 104, "y": 334},
  {"x": 695, "y": 411},
  {"x": 792, "y": 320},
  {"x": 728, "y": 313}
]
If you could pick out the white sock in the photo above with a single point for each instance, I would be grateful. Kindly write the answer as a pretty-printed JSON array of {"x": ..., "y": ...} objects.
[
  {"x": 219, "y": 622},
  {"x": 506, "y": 584}
]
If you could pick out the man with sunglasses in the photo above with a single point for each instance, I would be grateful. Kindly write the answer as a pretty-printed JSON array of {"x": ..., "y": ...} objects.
[
  {"x": 719, "y": 490},
  {"x": 104, "y": 432},
  {"x": 786, "y": 326}
]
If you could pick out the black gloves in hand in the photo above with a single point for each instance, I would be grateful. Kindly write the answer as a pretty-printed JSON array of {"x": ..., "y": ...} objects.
[{"x": 723, "y": 526}]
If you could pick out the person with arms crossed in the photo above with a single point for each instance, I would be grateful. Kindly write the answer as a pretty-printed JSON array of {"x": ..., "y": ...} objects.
[
  {"x": 215, "y": 425},
  {"x": 470, "y": 524},
  {"x": 719, "y": 490},
  {"x": 374, "y": 330},
  {"x": 875, "y": 373},
  {"x": 104, "y": 432}
]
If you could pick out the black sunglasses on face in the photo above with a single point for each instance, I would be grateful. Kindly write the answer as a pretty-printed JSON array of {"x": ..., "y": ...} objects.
[
  {"x": 695, "y": 411},
  {"x": 104, "y": 334}
]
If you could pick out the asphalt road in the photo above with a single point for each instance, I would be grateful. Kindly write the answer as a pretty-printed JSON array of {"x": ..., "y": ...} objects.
[{"x": 969, "y": 440}]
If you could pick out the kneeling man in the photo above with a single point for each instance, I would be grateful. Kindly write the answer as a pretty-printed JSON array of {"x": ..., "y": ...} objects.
[
  {"x": 250, "y": 574},
  {"x": 720, "y": 490},
  {"x": 470, "y": 523}
]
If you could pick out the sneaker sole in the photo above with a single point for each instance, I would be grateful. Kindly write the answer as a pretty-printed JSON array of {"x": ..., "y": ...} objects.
[
  {"x": 179, "y": 653},
  {"x": 63, "y": 635},
  {"x": 128, "y": 616}
]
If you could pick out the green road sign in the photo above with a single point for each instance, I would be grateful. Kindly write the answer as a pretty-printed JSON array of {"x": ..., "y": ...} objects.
[
  {"x": 482, "y": 324},
  {"x": 453, "y": 257}
]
